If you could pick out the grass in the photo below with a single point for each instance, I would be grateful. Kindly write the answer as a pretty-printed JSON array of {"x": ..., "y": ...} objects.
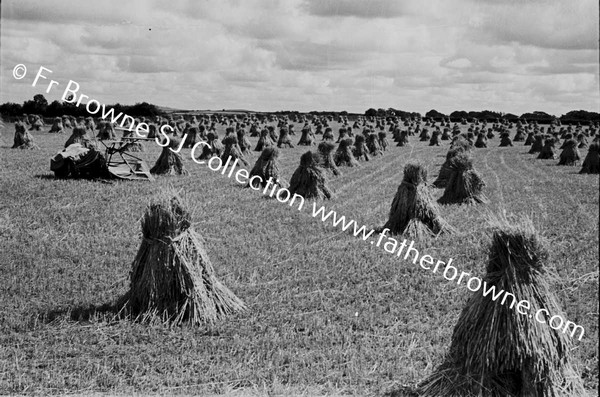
[{"x": 328, "y": 313}]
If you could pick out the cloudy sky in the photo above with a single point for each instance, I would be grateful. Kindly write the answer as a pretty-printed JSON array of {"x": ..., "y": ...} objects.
[{"x": 506, "y": 55}]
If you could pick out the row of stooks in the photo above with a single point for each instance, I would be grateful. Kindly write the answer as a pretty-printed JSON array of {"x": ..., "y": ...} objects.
[
  {"x": 36, "y": 122},
  {"x": 310, "y": 178},
  {"x": 194, "y": 128},
  {"x": 207, "y": 123},
  {"x": 193, "y": 125},
  {"x": 365, "y": 145},
  {"x": 494, "y": 350}
]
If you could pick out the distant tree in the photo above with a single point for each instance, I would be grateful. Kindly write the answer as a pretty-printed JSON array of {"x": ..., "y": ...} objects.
[
  {"x": 579, "y": 116},
  {"x": 344, "y": 113},
  {"x": 10, "y": 109},
  {"x": 380, "y": 112},
  {"x": 71, "y": 108},
  {"x": 38, "y": 105},
  {"x": 459, "y": 115},
  {"x": 371, "y": 112},
  {"x": 489, "y": 115},
  {"x": 510, "y": 116},
  {"x": 143, "y": 109},
  {"x": 434, "y": 114},
  {"x": 40, "y": 100},
  {"x": 55, "y": 109},
  {"x": 540, "y": 117},
  {"x": 402, "y": 114},
  {"x": 118, "y": 108}
]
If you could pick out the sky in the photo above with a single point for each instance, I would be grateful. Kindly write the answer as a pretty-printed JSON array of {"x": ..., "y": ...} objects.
[{"x": 512, "y": 56}]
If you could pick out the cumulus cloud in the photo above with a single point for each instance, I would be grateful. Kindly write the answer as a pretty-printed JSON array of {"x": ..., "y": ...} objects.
[
  {"x": 507, "y": 55},
  {"x": 571, "y": 25}
]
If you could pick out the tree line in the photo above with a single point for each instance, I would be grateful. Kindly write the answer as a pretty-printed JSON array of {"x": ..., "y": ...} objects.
[
  {"x": 39, "y": 105},
  {"x": 541, "y": 117}
]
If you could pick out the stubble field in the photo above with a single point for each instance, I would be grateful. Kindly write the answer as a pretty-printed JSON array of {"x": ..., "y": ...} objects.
[{"x": 328, "y": 313}]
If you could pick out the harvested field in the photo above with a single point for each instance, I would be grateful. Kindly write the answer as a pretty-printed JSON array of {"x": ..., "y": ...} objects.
[{"x": 327, "y": 312}]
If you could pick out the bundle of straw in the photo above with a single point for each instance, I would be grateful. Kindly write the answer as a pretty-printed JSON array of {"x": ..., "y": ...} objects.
[
  {"x": 403, "y": 138},
  {"x": 383, "y": 142},
  {"x": 496, "y": 351},
  {"x": 192, "y": 134},
  {"x": 78, "y": 135},
  {"x": 213, "y": 147},
  {"x": 328, "y": 134},
  {"x": 57, "y": 126},
  {"x": 547, "y": 151},
  {"x": 570, "y": 154},
  {"x": 481, "y": 141},
  {"x": 530, "y": 138},
  {"x": 169, "y": 162},
  {"x": 326, "y": 156},
  {"x": 424, "y": 136},
  {"x": 264, "y": 141},
  {"x": 343, "y": 154},
  {"x": 343, "y": 134},
  {"x": 461, "y": 142},
  {"x": 446, "y": 134},
  {"x": 307, "y": 138},
  {"x": 23, "y": 139},
  {"x": 172, "y": 278},
  {"x": 591, "y": 163},
  {"x": 505, "y": 139},
  {"x": 413, "y": 211},
  {"x": 538, "y": 144},
  {"x": 360, "y": 149},
  {"x": 266, "y": 167},
  {"x": 310, "y": 181},
  {"x": 232, "y": 151},
  {"x": 106, "y": 131},
  {"x": 66, "y": 122},
  {"x": 284, "y": 139},
  {"x": 395, "y": 133},
  {"x": 567, "y": 138},
  {"x": 243, "y": 142},
  {"x": 273, "y": 134},
  {"x": 464, "y": 184},
  {"x": 373, "y": 144},
  {"x": 582, "y": 140},
  {"x": 435, "y": 138},
  {"x": 519, "y": 136},
  {"x": 458, "y": 146}
]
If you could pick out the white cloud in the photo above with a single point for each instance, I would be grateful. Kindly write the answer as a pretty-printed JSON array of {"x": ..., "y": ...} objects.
[{"x": 304, "y": 54}]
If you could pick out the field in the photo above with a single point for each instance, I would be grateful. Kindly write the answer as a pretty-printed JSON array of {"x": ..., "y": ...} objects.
[{"x": 328, "y": 313}]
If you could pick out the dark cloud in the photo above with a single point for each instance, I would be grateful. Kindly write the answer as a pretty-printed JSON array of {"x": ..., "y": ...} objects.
[
  {"x": 300, "y": 53},
  {"x": 574, "y": 39},
  {"x": 353, "y": 8},
  {"x": 64, "y": 11}
]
